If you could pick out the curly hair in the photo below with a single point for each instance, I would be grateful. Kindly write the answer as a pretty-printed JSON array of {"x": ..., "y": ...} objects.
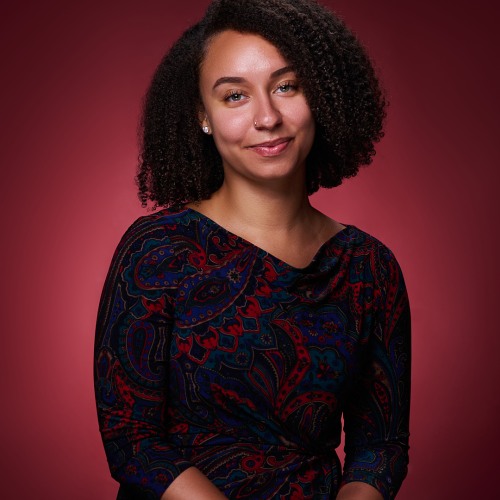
[{"x": 178, "y": 163}]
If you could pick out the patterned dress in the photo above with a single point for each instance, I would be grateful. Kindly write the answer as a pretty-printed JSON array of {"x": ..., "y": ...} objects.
[{"x": 211, "y": 352}]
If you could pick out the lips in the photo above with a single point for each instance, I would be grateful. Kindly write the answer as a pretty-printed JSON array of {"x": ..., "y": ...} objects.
[{"x": 271, "y": 148}]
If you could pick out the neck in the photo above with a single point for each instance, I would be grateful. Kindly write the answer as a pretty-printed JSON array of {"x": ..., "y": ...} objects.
[
  {"x": 260, "y": 209},
  {"x": 279, "y": 219}
]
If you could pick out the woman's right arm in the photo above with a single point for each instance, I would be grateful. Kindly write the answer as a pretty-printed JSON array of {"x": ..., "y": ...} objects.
[{"x": 131, "y": 348}]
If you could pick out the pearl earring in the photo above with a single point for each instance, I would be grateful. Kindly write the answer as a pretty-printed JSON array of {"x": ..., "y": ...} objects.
[{"x": 206, "y": 129}]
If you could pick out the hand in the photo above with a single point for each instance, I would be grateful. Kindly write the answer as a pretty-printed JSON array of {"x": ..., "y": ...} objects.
[
  {"x": 192, "y": 484},
  {"x": 358, "y": 491}
]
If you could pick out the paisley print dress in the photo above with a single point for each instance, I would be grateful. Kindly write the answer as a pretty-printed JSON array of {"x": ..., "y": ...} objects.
[{"x": 212, "y": 353}]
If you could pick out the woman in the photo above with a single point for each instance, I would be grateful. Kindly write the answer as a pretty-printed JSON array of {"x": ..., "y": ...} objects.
[{"x": 239, "y": 324}]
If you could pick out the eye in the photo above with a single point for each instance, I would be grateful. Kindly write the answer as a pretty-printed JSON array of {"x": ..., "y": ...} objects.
[
  {"x": 234, "y": 96},
  {"x": 286, "y": 87}
]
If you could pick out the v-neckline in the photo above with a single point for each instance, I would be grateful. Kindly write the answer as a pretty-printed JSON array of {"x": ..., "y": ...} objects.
[{"x": 329, "y": 241}]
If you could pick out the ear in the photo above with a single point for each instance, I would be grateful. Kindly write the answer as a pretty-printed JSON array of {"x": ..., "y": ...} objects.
[{"x": 204, "y": 122}]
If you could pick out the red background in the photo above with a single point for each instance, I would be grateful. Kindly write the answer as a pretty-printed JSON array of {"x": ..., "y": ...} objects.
[{"x": 73, "y": 74}]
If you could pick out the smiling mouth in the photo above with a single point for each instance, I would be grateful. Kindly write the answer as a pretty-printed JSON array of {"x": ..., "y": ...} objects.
[{"x": 271, "y": 148}]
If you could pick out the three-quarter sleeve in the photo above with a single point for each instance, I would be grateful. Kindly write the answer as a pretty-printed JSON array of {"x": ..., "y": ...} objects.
[
  {"x": 132, "y": 339},
  {"x": 376, "y": 415}
]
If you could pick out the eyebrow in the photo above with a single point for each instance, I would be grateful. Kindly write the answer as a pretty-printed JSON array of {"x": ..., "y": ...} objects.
[{"x": 237, "y": 79}]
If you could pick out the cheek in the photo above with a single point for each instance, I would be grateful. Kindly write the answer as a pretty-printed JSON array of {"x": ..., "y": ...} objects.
[
  {"x": 303, "y": 120},
  {"x": 229, "y": 128},
  {"x": 302, "y": 116}
]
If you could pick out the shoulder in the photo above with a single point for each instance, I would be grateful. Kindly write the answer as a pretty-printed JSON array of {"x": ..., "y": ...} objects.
[
  {"x": 150, "y": 238},
  {"x": 163, "y": 244},
  {"x": 158, "y": 224},
  {"x": 165, "y": 227},
  {"x": 355, "y": 242},
  {"x": 375, "y": 274},
  {"x": 370, "y": 258},
  {"x": 359, "y": 241}
]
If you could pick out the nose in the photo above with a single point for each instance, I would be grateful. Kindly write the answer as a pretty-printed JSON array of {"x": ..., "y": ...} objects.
[{"x": 267, "y": 115}]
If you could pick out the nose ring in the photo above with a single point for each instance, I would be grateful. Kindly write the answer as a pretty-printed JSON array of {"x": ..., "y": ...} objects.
[{"x": 255, "y": 124}]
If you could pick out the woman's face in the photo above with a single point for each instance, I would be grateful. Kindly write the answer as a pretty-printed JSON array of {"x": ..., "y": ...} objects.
[{"x": 255, "y": 109}]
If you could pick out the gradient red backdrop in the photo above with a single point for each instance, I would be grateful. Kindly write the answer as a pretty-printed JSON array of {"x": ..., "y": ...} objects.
[{"x": 73, "y": 74}]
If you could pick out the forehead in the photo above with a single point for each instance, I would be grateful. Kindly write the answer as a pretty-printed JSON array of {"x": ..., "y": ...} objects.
[{"x": 233, "y": 53}]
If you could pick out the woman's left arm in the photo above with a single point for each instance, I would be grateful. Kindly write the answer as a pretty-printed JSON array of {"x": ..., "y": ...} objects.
[{"x": 376, "y": 416}]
